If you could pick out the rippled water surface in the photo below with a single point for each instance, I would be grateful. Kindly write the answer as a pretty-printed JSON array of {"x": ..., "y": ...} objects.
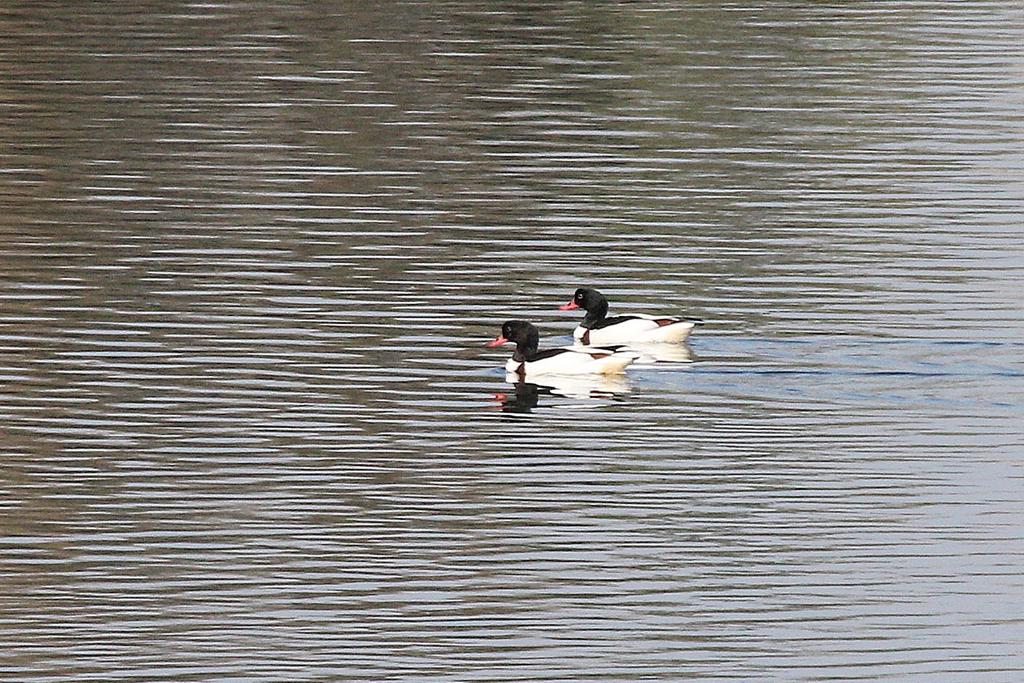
[{"x": 251, "y": 252}]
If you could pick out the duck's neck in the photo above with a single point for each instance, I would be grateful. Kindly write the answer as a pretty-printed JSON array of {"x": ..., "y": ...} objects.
[
  {"x": 595, "y": 314},
  {"x": 527, "y": 348}
]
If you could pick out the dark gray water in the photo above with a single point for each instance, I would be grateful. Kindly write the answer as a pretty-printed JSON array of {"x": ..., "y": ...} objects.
[{"x": 251, "y": 252}]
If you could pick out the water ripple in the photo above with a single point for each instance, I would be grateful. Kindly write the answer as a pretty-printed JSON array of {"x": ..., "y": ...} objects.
[{"x": 252, "y": 252}]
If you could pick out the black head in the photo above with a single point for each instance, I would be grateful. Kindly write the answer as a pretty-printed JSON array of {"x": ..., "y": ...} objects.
[
  {"x": 589, "y": 299},
  {"x": 521, "y": 333}
]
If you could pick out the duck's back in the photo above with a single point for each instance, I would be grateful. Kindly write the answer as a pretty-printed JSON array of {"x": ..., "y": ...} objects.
[
  {"x": 573, "y": 362},
  {"x": 623, "y": 329}
]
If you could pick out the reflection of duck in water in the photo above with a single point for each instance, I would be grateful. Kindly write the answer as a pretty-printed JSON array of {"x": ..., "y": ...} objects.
[
  {"x": 597, "y": 328},
  {"x": 662, "y": 352},
  {"x": 527, "y": 395},
  {"x": 523, "y": 398},
  {"x": 529, "y": 361}
]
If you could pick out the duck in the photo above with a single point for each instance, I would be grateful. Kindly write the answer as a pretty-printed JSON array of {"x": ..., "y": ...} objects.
[
  {"x": 600, "y": 330},
  {"x": 529, "y": 361}
]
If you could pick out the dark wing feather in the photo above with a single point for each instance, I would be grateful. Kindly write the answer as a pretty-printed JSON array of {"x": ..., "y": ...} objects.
[
  {"x": 608, "y": 322},
  {"x": 550, "y": 353}
]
